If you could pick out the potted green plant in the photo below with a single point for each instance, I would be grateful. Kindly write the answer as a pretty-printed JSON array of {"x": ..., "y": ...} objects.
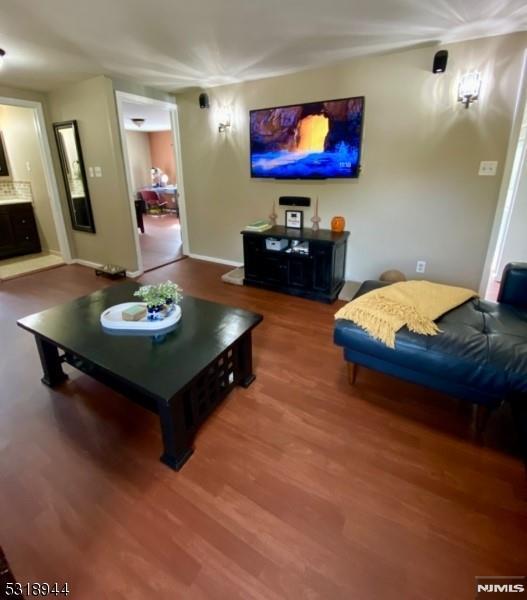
[
  {"x": 155, "y": 302},
  {"x": 171, "y": 292},
  {"x": 160, "y": 299}
]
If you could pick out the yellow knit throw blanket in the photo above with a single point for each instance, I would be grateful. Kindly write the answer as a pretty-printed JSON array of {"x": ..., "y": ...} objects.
[{"x": 416, "y": 304}]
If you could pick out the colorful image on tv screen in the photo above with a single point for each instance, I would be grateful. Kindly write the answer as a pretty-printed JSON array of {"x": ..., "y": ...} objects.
[{"x": 307, "y": 141}]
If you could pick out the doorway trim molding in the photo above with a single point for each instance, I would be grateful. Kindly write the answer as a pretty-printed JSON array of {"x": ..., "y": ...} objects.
[
  {"x": 121, "y": 98},
  {"x": 494, "y": 240},
  {"x": 49, "y": 171}
]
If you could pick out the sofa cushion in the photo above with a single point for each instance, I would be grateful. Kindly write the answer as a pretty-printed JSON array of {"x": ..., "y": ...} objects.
[{"x": 482, "y": 345}]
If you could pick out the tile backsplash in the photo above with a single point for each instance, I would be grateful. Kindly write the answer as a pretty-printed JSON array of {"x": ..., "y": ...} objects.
[{"x": 21, "y": 190}]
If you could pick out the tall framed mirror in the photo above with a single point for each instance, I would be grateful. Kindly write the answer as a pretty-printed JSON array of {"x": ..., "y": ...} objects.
[{"x": 74, "y": 173}]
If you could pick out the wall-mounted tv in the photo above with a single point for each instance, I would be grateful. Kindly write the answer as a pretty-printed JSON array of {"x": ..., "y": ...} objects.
[{"x": 316, "y": 140}]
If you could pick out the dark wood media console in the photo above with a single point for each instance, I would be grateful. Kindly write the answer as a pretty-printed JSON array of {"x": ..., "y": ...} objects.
[{"x": 317, "y": 274}]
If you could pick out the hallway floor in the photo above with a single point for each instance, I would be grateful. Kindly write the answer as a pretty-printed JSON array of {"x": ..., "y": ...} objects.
[{"x": 161, "y": 242}]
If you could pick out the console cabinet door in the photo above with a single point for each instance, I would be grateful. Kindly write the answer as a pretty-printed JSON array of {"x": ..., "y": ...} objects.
[
  {"x": 322, "y": 262},
  {"x": 252, "y": 250},
  {"x": 275, "y": 269},
  {"x": 300, "y": 272}
]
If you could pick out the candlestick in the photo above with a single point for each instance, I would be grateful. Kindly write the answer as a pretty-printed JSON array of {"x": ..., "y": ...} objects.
[
  {"x": 315, "y": 219},
  {"x": 273, "y": 216}
]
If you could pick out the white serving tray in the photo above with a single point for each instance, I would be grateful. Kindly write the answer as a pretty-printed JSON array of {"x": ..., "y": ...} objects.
[{"x": 112, "y": 318}]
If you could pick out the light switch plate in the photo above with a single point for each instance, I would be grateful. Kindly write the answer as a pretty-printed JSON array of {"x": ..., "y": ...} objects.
[
  {"x": 488, "y": 167},
  {"x": 90, "y": 171},
  {"x": 98, "y": 171}
]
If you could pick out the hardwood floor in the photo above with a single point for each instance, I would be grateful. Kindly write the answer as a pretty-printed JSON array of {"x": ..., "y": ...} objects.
[{"x": 300, "y": 486}]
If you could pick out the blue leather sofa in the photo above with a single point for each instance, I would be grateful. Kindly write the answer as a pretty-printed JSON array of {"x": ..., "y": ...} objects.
[{"x": 480, "y": 355}]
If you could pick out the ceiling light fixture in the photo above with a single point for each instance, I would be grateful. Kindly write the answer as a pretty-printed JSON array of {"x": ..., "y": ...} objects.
[
  {"x": 2, "y": 55},
  {"x": 138, "y": 122},
  {"x": 469, "y": 88}
]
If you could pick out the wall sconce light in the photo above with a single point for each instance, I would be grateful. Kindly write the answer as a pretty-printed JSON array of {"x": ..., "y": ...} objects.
[
  {"x": 469, "y": 88},
  {"x": 224, "y": 120}
]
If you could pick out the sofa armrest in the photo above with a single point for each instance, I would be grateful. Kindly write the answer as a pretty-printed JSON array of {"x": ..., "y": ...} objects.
[
  {"x": 513, "y": 288},
  {"x": 368, "y": 286}
]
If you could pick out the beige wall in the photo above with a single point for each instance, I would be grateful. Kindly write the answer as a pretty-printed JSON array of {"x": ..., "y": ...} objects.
[
  {"x": 11, "y": 92},
  {"x": 138, "y": 143},
  {"x": 23, "y": 149},
  {"x": 419, "y": 196},
  {"x": 92, "y": 104}
]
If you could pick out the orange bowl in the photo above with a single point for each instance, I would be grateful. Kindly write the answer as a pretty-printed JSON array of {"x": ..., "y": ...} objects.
[{"x": 338, "y": 224}]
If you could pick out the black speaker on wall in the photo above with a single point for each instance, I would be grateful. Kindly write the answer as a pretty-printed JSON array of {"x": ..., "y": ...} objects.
[
  {"x": 440, "y": 60},
  {"x": 294, "y": 201},
  {"x": 204, "y": 100}
]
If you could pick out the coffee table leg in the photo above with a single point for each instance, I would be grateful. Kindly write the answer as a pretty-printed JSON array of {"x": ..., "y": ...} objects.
[
  {"x": 51, "y": 363},
  {"x": 176, "y": 443},
  {"x": 245, "y": 360}
]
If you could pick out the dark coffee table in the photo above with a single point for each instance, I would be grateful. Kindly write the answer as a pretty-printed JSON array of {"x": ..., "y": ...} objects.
[{"x": 181, "y": 375}]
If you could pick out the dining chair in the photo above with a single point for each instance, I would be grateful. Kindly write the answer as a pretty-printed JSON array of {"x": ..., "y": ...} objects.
[{"x": 152, "y": 199}]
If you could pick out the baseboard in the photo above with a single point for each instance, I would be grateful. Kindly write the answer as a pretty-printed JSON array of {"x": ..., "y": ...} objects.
[
  {"x": 221, "y": 261},
  {"x": 55, "y": 252},
  {"x": 85, "y": 263},
  {"x": 92, "y": 265}
]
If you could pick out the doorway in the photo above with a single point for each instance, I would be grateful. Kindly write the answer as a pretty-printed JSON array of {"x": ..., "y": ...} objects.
[
  {"x": 33, "y": 235},
  {"x": 510, "y": 241},
  {"x": 153, "y": 168}
]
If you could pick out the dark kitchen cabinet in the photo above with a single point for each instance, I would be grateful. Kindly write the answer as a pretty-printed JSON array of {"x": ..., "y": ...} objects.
[
  {"x": 317, "y": 274},
  {"x": 18, "y": 230}
]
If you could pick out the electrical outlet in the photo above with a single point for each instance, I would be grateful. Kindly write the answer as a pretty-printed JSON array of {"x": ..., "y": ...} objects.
[
  {"x": 90, "y": 171},
  {"x": 421, "y": 266},
  {"x": 488, "y": 167},
  {"x": 28, "y": 167},
  {"x": 98, "y": 171}
]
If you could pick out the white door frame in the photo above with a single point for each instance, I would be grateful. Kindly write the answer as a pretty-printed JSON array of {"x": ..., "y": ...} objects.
[
  {"x": 49, "y": 172},
  {"x": 121, "y": 98},
  {"x": 498, "y": 233}
]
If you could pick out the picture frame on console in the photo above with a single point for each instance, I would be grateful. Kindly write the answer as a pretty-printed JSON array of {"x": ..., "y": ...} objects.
[{"x": 294, "y": 219}]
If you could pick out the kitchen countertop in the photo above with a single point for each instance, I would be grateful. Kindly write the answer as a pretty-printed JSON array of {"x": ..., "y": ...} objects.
[{"x": 13, "y": 201}]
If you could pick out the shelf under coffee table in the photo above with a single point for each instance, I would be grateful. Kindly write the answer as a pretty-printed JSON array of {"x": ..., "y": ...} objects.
[{"x": 181, "y": 376}]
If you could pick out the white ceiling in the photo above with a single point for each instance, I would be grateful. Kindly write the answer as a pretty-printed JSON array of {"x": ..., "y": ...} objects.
[
  {"x": 156, "y": 119},
  {"x": 177, "y": 44}
]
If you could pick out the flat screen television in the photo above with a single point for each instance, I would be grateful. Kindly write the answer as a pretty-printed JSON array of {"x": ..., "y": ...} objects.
[{"x": 316, "y": 140}]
